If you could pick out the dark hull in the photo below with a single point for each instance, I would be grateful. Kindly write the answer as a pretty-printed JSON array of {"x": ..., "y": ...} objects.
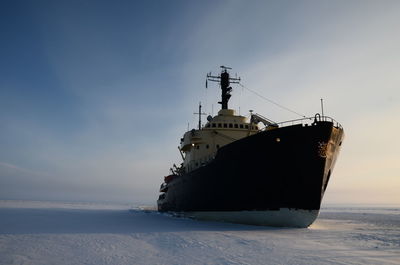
[{"x": 288, "y": 167}]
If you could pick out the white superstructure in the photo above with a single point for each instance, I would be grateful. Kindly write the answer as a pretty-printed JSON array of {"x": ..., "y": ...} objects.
[{"x": 200, "y": 146}]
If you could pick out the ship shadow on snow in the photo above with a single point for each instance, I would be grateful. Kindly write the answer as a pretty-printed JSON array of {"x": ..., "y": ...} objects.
[{"x": 88, "y": 221}]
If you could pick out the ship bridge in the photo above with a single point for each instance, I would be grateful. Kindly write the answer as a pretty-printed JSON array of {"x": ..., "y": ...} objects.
[{"x": 200, "y": 146}]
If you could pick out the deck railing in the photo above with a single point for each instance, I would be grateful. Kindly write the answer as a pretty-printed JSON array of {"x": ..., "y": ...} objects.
[{"x": 310, "y": 120}]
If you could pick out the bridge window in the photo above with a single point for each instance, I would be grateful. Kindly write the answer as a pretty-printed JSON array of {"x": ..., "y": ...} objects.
[
  {"x": 230, "y": 125},
  {"x": 213, "y": 125},
  {"x": 236, "y": 126},
  {"x": 225, "y": 125},
  {"x": 219, "y": 125},
  {"x": 241, "y": 126},
  {"x": 207, "y": 146}
]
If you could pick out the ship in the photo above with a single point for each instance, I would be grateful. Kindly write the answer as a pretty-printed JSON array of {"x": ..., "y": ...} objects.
[{"x": 252, "y": 170}]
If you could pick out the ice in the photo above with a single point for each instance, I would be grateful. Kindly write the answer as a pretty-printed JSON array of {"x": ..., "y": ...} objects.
[{"x": 81, "y": 233}]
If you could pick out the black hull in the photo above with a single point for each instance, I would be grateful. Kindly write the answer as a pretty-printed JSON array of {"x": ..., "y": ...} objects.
[{"x": 287, "y": 167}]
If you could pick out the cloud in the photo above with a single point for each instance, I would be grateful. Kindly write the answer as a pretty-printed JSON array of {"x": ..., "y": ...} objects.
[
  {"x": 11, "y": 167},
  {"x": 105, "y": 122}
]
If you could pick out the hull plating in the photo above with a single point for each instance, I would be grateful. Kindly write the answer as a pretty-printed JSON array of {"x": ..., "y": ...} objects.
[
  {"x": 282, "y": 218},
  {"x": 285, "y": 168}
]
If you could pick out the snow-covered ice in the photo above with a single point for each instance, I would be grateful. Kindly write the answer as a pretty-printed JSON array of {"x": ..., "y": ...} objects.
[{"x": 72, "y": 233}]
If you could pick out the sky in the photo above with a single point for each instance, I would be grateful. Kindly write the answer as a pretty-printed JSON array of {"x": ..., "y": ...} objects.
[{"x": 95, "y": 95}]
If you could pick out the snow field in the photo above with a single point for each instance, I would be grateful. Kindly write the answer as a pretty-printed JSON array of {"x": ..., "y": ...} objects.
[{"x": 98, "y": 234}]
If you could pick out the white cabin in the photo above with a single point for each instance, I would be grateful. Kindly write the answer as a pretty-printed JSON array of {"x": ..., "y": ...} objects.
[{"x": 201, "y": 146}]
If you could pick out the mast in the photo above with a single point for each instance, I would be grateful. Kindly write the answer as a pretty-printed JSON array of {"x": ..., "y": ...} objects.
[
  {"x": 224, "y": 80},
  {"x": 200, "y": 113}
]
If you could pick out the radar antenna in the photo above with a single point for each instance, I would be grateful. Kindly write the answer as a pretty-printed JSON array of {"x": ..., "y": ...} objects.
[{"x": 224, "y": 80}]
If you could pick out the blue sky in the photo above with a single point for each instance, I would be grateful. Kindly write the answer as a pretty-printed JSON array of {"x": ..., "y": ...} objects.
[{"x": 94, "y": 95}]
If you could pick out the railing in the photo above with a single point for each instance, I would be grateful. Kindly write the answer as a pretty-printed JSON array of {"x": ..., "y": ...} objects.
[{"x": 303, "y": 121}]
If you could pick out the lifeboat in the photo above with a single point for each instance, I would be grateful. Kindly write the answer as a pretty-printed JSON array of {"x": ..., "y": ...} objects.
[
  {"x": 164, "y": 187},
  {"x": 168, "y": 178}
]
